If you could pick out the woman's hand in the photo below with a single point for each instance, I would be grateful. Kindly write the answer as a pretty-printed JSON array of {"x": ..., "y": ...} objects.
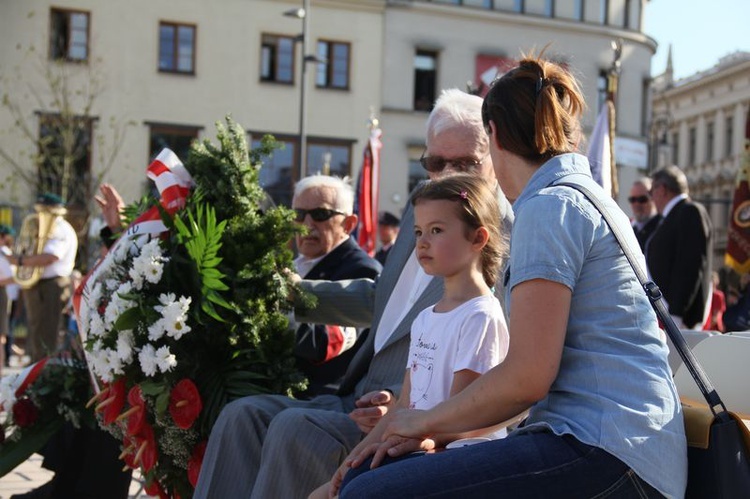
[
  {"x": 398, "y": 446},
  {"x": 409, "y": 423}
]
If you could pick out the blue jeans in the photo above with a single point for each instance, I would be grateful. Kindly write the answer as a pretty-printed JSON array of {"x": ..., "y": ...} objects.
[{"x": 538, "y": 464}]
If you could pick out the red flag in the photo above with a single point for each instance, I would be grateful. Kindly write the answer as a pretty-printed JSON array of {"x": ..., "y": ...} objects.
[
  {"x": 737, "y": 255},
  {"x": 368, "y": 190}
]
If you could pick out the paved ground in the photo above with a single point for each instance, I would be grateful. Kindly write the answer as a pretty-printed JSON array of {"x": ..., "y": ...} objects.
[{"x": 30, "y": 474}]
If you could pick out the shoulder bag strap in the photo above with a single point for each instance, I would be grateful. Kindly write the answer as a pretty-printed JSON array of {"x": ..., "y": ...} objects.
[{"x": 654, "y": 295}]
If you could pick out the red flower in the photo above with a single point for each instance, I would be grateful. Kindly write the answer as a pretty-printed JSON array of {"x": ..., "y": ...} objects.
[
  {"x": 155, "y": 489},
  {"x": 185, "y": 404},
  {"x": 137, "y": 417},
  {"x": 195, "y": 462},
  {"x": 146, "y": 452},
  {"x": 25, "y": 413},
  {"x": 112, "y": 401}
]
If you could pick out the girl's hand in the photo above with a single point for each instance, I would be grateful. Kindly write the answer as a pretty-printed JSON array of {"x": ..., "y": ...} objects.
[{"x": 409, "y": 423}]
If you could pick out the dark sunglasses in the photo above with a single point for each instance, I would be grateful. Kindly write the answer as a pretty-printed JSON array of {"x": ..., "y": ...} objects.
[
  {"x": 317, "y": 214},
  {"x": 436, "y": 164},
  {"x": 638, "y": 199}
]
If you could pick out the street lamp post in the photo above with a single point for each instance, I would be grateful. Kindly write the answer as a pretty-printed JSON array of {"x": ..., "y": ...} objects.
[{"x": 303, "y": 13}]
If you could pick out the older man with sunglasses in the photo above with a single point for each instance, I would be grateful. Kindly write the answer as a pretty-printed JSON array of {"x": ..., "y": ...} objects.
[
  {"x": 273, "y": 446},
  {"x": 645, "y": 217},
  {"x": 324, "y": 206}
]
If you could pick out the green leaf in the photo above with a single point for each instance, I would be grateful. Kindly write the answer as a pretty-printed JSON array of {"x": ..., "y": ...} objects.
[{"x": 129, "y": 319}]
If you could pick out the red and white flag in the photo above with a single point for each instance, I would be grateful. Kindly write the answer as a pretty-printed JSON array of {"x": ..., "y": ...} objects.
[{"x": 368, "y": 191}]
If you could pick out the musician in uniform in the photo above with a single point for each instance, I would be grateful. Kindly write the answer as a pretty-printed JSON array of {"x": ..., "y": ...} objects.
[{"x": 45, "y": 297}]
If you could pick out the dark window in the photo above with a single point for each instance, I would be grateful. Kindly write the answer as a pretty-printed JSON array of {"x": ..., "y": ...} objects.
[
  {"x": 277, "y": 58},
  {"x": 518, "y": 5},
  {"x": 280, "y": 169},
  {"x": 691, "y": 146},
  {"x": 329, "y": 158},
  {"x": 69, "y": 35},
  {"x": 65, "y": 158},
  {"x": 334, "y": 72},
  {"x": 578, "y": 10},
  {"x": 482, "y": 4},
  {"x": 549, "y": 8},
  {"x": 178, "y": 138},
  {"x": 728, "y": 137},
  {"x": 626, "y": 14},
  {"x": 676, "y": 148},
  {"x": 604, "y": 11},
  {"x": 176, "y": 48},
  {"x": 425, "y": 80},
  {"x": 710, "y": 141}
]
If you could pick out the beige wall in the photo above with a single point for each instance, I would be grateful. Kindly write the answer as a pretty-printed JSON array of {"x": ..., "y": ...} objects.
[{"x": 383, "y": 37}]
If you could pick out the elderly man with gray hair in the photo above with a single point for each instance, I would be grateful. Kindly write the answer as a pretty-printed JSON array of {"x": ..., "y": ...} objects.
[
  {"x": 273, "y": 446},
  {"x": 324, "y": 205}
]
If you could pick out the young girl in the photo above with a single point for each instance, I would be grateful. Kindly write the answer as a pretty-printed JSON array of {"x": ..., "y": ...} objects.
[{"x": 464, "y": 334}]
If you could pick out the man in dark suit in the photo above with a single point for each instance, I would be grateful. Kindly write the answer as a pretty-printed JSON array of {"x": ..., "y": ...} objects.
[
  {"x": 645, "y": 216},
  {"x": 324, "y": 206},
  {"x": 388, "y": 226},
  {"x": 679, "y": 252}
]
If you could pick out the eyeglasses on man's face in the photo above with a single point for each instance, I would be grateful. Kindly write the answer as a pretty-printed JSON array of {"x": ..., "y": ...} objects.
[
  {"x": 317, "y": 214},
  {"x": 436, "y": 164},
  {"x": 638, "y": 199}
]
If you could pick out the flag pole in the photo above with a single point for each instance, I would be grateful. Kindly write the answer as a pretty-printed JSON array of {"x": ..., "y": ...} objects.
[{"x": 613, "y": 78}]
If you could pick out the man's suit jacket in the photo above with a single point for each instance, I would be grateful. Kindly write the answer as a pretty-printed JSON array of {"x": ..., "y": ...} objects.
[
  {"x": 362, "y": 302},
  {"x": 679, "y": 260},
  {"x": 346, "y": 261},
  {"x": 644, "y": 234}
]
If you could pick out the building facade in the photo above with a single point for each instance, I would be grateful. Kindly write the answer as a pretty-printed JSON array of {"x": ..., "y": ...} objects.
[
  {"x": 699, "y": 124},
  {"x": 142, "y": 75}
]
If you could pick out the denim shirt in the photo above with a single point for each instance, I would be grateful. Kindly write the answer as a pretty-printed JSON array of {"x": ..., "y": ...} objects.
[{"x": 614, "y": 388}]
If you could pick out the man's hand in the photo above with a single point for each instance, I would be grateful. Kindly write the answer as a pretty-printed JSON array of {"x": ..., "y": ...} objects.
[
  {"x": 370, "y": 408},
  {"x": 112, "y": 205}
]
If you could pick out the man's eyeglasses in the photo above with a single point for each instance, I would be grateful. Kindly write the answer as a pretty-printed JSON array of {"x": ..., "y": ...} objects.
[
  {"x": 317, "y": 214},
  {"x": 638, "y": 199},
  {"x": 436, "y": 164}
]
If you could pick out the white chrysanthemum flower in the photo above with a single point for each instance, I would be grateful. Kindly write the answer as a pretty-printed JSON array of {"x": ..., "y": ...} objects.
[
  {"x": 147, "y": 359},
  {"x": 114, "y": 363},
  {"x": 166, "y": 299},
  {"x": 165, "y": 359},
  {"x": 98, "y": 359},
  {"x": 124, "y": 289},
  {"x": 177, "y": 328},
  {"x": 112, "y": 284},
  {"x": 154, "y": 272},
  {"x": 7, "y": 392},
  {"x": 125, "y": 344},
  {"x": 96, "y": 325},
  {"x": 156, "y": 330},
  {"x": 95, "y": 295}
]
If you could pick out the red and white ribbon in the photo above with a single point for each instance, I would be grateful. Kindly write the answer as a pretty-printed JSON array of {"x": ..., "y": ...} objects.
[{"x": 173, "y": 182}]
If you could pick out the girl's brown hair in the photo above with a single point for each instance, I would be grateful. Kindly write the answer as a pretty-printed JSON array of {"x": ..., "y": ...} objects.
[
  {"x": 476, "y": 206},
  {"x": 536, "y": 108}
]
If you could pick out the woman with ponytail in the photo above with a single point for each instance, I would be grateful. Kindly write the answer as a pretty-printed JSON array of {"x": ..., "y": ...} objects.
[{"x": 586, "y": 357}]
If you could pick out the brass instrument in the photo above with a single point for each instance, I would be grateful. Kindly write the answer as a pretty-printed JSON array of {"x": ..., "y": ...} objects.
[{"x": 35, "y": 230}]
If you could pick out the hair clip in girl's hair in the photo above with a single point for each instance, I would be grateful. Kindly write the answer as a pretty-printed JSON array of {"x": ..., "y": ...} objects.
[{"x": 464, "y": 195}]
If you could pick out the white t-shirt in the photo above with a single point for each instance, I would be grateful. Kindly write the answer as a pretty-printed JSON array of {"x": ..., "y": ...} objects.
[
  {"x": 409, "y": 287},
  {"x": 472, "y": 336},
  {"x": 63, "y": 243}
]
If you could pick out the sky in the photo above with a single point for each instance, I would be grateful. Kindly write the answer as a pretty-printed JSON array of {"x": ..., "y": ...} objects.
[{"x": 700, "y": 31}]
